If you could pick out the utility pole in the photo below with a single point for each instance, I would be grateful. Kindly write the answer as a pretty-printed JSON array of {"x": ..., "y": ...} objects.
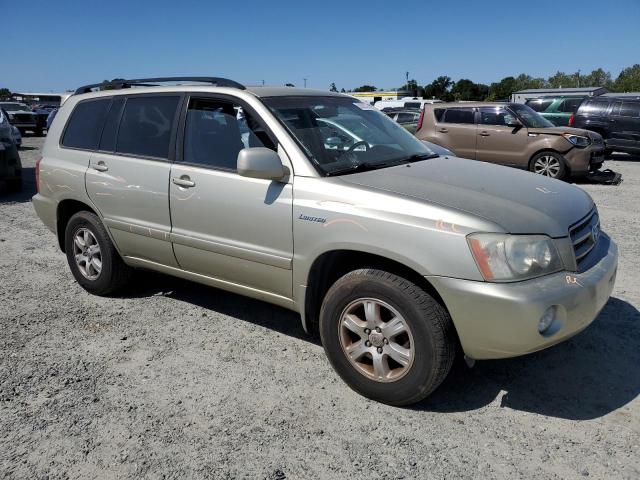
[
  {"x": 305, "y": 82},
  {"x": 578, "y": 78},
  {"x": 263, "y": 83},
  {"x": 406, "y": 85}
]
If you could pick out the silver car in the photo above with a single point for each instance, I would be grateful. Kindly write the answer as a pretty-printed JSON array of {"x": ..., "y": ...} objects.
[{"x": 397, "y": 256}]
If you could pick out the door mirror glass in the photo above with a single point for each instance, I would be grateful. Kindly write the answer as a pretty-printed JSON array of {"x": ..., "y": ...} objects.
[
  {"x": 260, "y": 162},
  {"x": 513, "y": 121}
]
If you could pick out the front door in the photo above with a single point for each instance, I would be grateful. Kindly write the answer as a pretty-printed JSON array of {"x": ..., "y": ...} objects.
[
  {"x": 455, "y": 129},
  {"x": 128, "y": 175},
  {"x": 235, "y": 229},
  {"x": 497, "y": 141}
]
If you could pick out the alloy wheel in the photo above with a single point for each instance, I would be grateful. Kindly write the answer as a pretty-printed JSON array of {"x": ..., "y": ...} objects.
[
  {"x": 376, "y": 340},
  {"x": 547, "y": 165},
  {"x": 86, "y": 251}
]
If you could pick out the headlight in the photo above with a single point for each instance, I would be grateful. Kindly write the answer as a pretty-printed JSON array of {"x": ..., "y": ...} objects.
[
  {"x": 502, "y": 258},
  {"x": 10, "y": 116},
  {"x": 577, "y": 140}
]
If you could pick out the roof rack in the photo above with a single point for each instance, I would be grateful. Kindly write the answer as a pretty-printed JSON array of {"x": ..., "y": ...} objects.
[{"x": 152, "y": 82}]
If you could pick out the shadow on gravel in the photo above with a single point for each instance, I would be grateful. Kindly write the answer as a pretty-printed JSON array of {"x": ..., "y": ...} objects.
[
  {"x": 219, "y": 301},
  {"x": 584, "y": 378},
  {"x": 28, "y": 188}
]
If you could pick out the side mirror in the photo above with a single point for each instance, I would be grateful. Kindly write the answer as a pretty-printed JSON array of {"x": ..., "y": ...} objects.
[
  {"x": 514, "y": 123},
  {"x": 260, "y": 162}
]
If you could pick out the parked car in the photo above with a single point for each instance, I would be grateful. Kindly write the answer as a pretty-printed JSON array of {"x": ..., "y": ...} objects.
[
  {"x": 21, "y": 116},
  {"x": 514, "y": 135},
  {"x": 50, "y": 117},
  {"x": 42, "y": 113},
  {"x": 407, "y": 118},
  {"x": 10, "y": 165},
  {"x": 557, "y": 110},
  {"x": 405, "y": 102},
  {"x": 401, "y": 256},
  {"x": 617, "y": 119}
]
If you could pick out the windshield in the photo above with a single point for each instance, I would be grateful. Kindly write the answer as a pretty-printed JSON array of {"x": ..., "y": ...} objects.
[
  {"x": 342, "y": 135},
  {"x": 530, "y": 117},
  {"x": 14, "y": 107}
]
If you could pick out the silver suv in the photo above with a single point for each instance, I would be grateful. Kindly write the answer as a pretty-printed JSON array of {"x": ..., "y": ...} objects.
[{"x": 397, "y": 256}]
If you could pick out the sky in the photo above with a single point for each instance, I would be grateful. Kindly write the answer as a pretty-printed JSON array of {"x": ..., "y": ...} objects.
[{"x": 59, "y": 45}]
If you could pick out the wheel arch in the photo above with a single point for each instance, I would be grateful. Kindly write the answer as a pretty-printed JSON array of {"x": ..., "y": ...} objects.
[
  {"x": 65, "y": 210},
  {"x": 333, "y": 264},
  {"x": 550, "y": 150}
]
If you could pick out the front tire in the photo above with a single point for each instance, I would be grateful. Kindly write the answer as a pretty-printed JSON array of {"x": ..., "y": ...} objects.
[
  {"x": 387, "y": 338},
  {"x": 549, "y": 164},
  {"x": 92, "y": 257}
]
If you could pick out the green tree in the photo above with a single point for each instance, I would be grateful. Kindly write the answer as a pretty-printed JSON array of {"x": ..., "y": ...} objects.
[
  {"x": 289, "y": 85},
  {"x": 440, "y": 88},
  {"x": 107, "y": 84},
  {"x": 411, "y": 86},
  {"x": 597, "y": 78},
  {"x": 503, "y": 89},
  {"x": 342, "y": 90},
  {"x": 524, "y": 82},
  {"x": 563, "y": 80},
  {"x": 628, "y": 80},
  {"x": 5, "y": 93},
  {"x": 365, "y": 88},
  {"x": 333, "y": 88},
  {"x": 465, "y": 89}
]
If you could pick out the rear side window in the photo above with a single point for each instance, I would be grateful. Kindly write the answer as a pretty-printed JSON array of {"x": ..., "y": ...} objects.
[
  {"x": 85, "y": 124},
  {"x": 630, "y": 109},
  {"x": 594, "y": 107},
  {"x": 539, "y": 105},
  {"x": 412, "y": 105},
  {"x": 145, "y": 128},
  {"x": 407, "y": 117},
  {"x": 458, "y": 115},
  {"x": 570, "y": 105}
]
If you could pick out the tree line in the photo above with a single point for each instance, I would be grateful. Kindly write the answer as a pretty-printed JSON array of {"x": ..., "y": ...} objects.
[{"x": 444, "y": 88}]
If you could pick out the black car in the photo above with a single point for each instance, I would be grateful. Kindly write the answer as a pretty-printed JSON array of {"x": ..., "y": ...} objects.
[{"x": 617, "y": 119}]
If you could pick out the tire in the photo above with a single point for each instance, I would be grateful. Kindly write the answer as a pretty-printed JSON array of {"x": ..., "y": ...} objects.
[
  {"x": 608, "y": 152},
  {"x": 549, "y": 164},
  {"x": 113, "y": 274},
  {"x": 428, "y": 340}
]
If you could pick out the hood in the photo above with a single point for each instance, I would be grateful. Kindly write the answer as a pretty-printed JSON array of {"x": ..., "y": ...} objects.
[
  {"x": 518, "y": 201},
  {"x": 561, "y": 130}
]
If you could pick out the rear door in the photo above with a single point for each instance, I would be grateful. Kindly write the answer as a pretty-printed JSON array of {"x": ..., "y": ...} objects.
[
  {"x": 625, "y": 124},
  {"x": 498, "y": 142},
  {"x": 235, "y": 229},
  {"x": 455, "y": 129},
  {"x": 128, "y": 176}
]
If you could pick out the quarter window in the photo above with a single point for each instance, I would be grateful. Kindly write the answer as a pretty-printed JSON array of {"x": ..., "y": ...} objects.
[
  {"x": 630, "y": 109},
  {"x": 146, "y": 124},
  {"x": 85, "y": 125},
  {"x": 458, "y": 115},
  {"x": 216, "y": 131},
  {"x": 594, "y": 107}
]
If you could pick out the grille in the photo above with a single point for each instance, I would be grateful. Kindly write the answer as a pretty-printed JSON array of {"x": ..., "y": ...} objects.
[
  {"x": 584, "y": 236},
  {"x": 24, "y": 117}
]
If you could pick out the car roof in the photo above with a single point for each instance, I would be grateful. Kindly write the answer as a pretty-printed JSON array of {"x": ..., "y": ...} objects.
[
  {"x": 468, "y": 104},
  {"x": 261, "y": 92}
]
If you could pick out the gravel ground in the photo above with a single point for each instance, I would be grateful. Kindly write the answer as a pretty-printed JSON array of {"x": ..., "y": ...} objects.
[{"x": 176, "y": 380}]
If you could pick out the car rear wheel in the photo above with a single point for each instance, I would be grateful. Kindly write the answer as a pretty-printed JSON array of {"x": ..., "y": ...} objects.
[
  {"x": 386, "y": 337},
  {"x": 549, "y": 164},
  {"x": 92, "y": 257}
]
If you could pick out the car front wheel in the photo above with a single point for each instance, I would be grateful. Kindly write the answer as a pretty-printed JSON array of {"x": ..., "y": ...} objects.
[
  {"x": 92, "y": 257},
  {"x": 386, "y": 337},
  {"x": 549, "y": 164}
]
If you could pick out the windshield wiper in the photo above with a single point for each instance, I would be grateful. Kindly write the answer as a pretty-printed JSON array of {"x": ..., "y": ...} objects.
[{"x": 364, "y": 166}]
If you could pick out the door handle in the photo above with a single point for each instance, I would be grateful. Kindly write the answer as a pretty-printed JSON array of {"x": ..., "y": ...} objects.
[
  {"x": 443, "y": 130},
  {"x": 183, "y": 181},
  {"x": 484, "y": 134},
  {"x": 100, "y": 166}
]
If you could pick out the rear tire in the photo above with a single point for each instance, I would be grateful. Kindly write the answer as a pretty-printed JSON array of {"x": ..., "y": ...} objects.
[
  {"x": 549, "y": 164},
  {"x": 92, "y": 257},
  {"x": 403, "y": 360},
  {"x": 14, "y": 185}
]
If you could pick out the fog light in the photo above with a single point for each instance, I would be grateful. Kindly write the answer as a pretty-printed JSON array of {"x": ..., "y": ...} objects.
[{"x": 547, "y": 319}]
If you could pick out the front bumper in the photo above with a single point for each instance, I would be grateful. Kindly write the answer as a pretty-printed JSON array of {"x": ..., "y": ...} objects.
[
  {"x": 500, "y": 320},
  {"x": 584, "y": 160}
]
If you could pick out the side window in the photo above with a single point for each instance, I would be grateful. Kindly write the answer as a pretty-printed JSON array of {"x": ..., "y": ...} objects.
[
  {"x": 438, "y": 112},
  {"x": 412, "y": 105},
  {"x": 145, "y": 128},
  {"x": 630, "y": 109},
  {"x": 496, "y": 116},
  {"x": 85, "y": 125},
  {"x": 570, "y": 105},
  {"x": 215, "y": 132},
  {"x": 108, "y": 140},
  {"x": 458, "y": 115},
  {"x": 406, "y": 118},
  {"x": 594, "y": 107},
  {"x": 539, "y": 105}
]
